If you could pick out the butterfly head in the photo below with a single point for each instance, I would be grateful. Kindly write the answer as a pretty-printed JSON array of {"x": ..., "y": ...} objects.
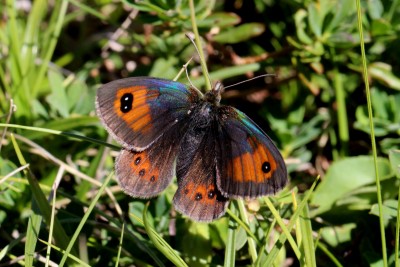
[{"x": 214, "y": 95}]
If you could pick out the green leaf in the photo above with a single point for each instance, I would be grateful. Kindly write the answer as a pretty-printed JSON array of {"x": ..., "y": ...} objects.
[
  {"x": 336, "y": 235},
  {"x": 300, "y": 17},
  {"x": 381, "y": 27},
  {"x": 219, "y": 19},
  {"x": 314, "y": 19},
  {"x": 375, "y": 8},
  {"x": 347, "y": 175},
  {"x": 383, "y": 72},
  {"x": 239, "y": 34},
  {"x": 58, "y": 100}
]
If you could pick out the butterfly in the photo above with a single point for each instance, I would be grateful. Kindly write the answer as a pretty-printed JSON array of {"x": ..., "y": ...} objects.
[{"x": 167, "y": 128}]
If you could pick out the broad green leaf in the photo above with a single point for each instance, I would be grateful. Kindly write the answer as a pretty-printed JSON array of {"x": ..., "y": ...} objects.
[
  {"x": 58, "y": 100},
  {"x": 240, "y": 33},
  {"x": 219, "y": 19},
  {"x": 345, "y": 176},
  {"x": 336, "y": 235},
  {"x": 375, "y": 8}
]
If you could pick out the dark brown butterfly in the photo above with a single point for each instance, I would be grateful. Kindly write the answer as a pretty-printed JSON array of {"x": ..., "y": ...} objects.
[{"x": 219, "y": 152}]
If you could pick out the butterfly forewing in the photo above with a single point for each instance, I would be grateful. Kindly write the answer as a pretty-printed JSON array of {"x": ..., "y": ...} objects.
[
  {"x": 136, "y": 111},
  {"x": 249, "y": 164}
]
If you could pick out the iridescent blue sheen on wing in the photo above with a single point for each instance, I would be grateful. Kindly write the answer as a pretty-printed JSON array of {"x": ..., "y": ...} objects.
[{"x": 154, "y": 106}]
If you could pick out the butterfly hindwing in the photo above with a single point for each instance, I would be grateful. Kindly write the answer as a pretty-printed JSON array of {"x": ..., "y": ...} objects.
[
  {"x": 198, "y": 196},
  {"x": 147, "y": 173},
  {"x": 136, "y": 111},
  {"x": 249, "y": 164}
]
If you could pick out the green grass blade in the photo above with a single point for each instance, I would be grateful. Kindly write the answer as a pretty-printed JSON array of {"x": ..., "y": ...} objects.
[
  {"x": 285, "y": 230},
  {"x": 84, "y": 219},
  {"x": 50, "y": 48},
  {"x": 282, "y": 238},
  {"x": 35, "y": 218},
  {"x": 70, "y": 256},
  {"x": 371, "y": 124},
  {"x": 32, "y": 234},
  {"x": 56, "y": 132},
  {"x": 230, "y": 251},
  {"x": 394, "y": 157},
  {"x": 329, "y": 254},
  {"x": 160, "y": 243},
  {"x": 199, "y": 48},
  {"x": 250, "y": 240},
  {"x": 341, "y": 112},
  {"x": 307, "y": 244},
  {"x": 242, "y": 224},
  {"x": 44, "y": 208},
  {"x": 121, "y": 239}
]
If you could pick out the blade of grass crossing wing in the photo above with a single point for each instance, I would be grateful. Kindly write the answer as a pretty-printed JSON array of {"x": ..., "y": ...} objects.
[{"x": 160, "y": 243}]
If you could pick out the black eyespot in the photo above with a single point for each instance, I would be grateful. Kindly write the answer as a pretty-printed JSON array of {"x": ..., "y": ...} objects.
[
  {"x": 211, "y": 194},
  {"x": 266, "y": 167},
  {"x": 137, "y": 160},
  {"x": 186, "y": 191},
  {"x": 198, "y": 196},
  {"x": 152, "y": 178},
  {"x": 126, "y": 102},
  {"x": 142, "y": 172}
]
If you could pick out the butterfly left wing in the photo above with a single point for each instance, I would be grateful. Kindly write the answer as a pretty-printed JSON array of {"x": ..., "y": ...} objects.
[
  {"x": 198, "y": 196},
  {"x": 136, "y": 111},
  {"x": 250, "y": 165}
]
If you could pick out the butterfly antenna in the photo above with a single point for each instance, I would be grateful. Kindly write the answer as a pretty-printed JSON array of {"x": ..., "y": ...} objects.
[
  {"x": 187, "y": 75},
  {"x": 257, "y": 77},
  {"x": 191, "y": 38}
]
